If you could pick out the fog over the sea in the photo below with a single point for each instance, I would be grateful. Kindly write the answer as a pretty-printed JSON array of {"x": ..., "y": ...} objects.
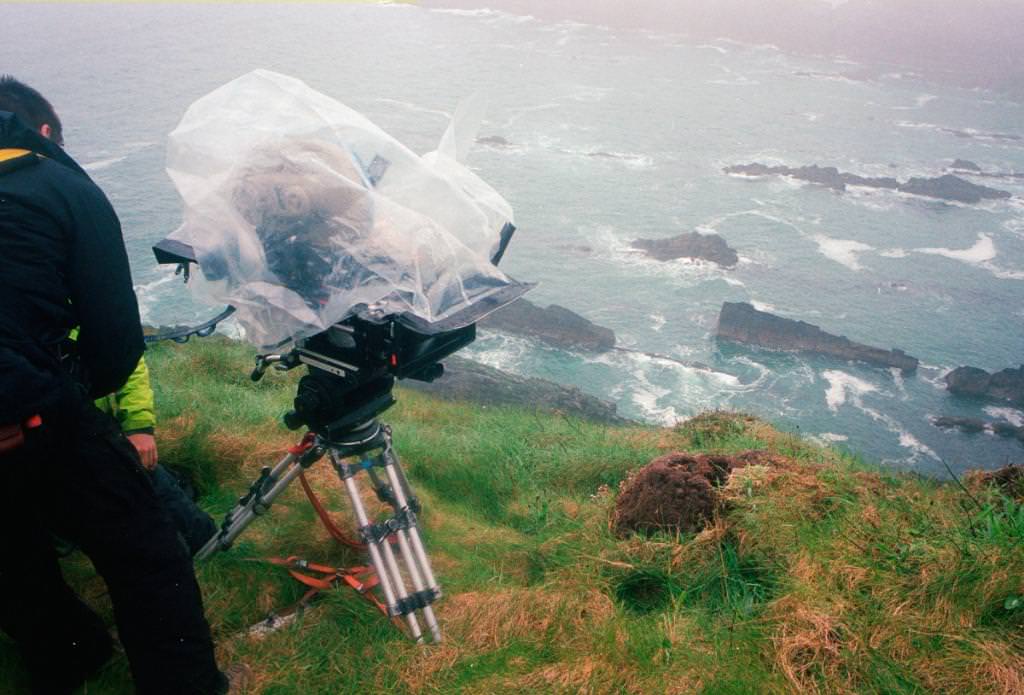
[{"x": 977, "y": 43}]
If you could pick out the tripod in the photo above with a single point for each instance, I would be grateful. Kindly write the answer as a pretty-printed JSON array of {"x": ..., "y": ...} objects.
[{"x": 348, "y": 446}]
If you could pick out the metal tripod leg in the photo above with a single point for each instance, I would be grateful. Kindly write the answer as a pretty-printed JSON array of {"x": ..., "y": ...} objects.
[
  {"x": 264, "y": 490},
  {"x": 409, "y": 541},
  {"x": 381, "y": 556}
]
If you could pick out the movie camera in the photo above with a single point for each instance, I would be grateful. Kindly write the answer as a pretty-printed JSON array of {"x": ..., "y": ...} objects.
[{"x": 351, "y": 371}]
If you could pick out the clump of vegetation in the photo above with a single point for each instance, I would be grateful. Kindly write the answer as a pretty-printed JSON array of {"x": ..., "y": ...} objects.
[{"x": 814, "y": 573}]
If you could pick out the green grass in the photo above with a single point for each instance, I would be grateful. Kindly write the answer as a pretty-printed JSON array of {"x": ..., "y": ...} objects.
[{"x": 821, "y": 574}]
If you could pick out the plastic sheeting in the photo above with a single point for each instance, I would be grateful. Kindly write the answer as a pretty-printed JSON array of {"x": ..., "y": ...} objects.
[{"x": 302, "y": 212}]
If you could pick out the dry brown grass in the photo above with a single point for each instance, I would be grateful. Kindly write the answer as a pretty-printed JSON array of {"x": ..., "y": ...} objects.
[
  {"x": 585, "y": 676},
  {"x": 480, "y": 622},
  {"x": 809, "y": 645}
]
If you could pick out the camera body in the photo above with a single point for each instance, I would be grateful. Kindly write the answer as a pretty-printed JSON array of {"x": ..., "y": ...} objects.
[{"x": 353, "y": 365}]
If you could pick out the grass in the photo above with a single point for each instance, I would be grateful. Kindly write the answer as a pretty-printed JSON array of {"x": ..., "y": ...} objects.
[{"x": 821, "y": 574}]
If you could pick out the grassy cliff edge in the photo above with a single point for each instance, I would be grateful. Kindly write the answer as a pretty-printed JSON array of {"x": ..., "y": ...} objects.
[{"x": 820, "y": 573}]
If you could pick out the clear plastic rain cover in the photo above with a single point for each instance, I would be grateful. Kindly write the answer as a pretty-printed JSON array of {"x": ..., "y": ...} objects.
[{"x": 301, "y": 212}]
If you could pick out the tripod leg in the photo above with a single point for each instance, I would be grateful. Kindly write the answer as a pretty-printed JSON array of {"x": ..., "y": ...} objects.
[
  {"x": 261, "y": 495},
  {"x": 411, "y": 544},
  {"x": 390, "y": 578}
]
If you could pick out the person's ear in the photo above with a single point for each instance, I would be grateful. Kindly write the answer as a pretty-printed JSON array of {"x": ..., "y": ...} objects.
[{"x": 46, "y": 131}]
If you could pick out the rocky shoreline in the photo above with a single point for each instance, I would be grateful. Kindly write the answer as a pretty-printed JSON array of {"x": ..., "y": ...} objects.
[
  {"x": 740, "y": 322},
  {"x": 466, "y": 380},
  {"x": 947, "y": 187},
  {"x": 554, "y": 325}
]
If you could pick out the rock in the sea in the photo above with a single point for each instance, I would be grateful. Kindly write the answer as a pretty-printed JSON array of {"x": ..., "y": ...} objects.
[
  {"x": 947, "y": 187},
  {"x": 708, "y": 247},
  {"x": 1006, "y": 385},
  {"x": 965, "y": 165},
  {"x": 493, "y": 140},
  {"x": 970, "y": 425},
  {"x": 466, "y": 380},
  {"x": 742, "y": 323},
  {"x": 555, "y": 325}
]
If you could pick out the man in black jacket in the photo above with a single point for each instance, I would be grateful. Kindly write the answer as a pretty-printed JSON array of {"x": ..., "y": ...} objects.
[{"x": 65, "y": 467}]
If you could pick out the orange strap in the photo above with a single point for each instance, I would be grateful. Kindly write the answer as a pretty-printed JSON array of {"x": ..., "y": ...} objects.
[
  {"x": 332, "y": 577},
  {"x": 332, "y": 528}
]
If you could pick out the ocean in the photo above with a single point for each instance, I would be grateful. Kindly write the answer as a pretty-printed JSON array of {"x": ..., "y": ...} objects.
[{"x": 616, "y": 135}]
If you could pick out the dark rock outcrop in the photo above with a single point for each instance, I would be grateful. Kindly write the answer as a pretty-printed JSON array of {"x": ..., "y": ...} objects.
[
  {"x": 946, "y": 187},
  {"x": 1006, "y": 385},
  {"x": 949, "y": 187},
  {"x": 970, "y": 425},
  {"x": 493, "y": 141},
  {"x": 467, "y": 380},
  {"x": 708, "y": 247},
  {"x": 555, "y": 325},
  {"x": 976, "y": 135},
  {"x": 969, "y": 168},
  {"x": 742, "y": 323},
  {"x": 965, "y": 165},
  {"x": 830, "y": 177}
]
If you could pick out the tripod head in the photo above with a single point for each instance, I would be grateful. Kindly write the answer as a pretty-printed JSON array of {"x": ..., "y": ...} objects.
[{"x": 353, "y": 367}]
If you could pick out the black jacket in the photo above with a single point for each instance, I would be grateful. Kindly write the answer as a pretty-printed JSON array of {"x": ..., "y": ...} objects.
[{"x": 62, "y": 264}]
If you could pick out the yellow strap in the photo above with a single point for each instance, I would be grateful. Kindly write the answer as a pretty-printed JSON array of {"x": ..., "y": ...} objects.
[{"x": 12, "y": 153}]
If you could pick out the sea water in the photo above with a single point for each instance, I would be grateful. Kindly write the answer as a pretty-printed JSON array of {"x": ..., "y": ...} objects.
[{"x": 612, "y": 136}]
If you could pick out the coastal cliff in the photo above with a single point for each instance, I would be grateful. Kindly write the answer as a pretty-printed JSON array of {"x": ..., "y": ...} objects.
[{"x": 779, "y": 559}]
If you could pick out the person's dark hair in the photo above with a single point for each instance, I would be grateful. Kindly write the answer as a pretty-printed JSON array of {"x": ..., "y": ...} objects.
[{"x": 30, "y": 106}]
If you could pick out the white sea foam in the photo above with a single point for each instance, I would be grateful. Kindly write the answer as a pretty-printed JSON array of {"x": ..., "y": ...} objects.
[
  {"x": 712, "y": 47},
  {"x": 1011, "y": 415},
  {"x": 920, "y": 102},
  {"x": 763, "y": 306},
  {"x": 842, "y": 386},
  {"x": 909, "y": 441},
  {"x": 658, "y": 322},
  {"x": 150, "y": 294},
  {"x": 843, "y": 251},
  {"x": 981, "y": 254},
  {"x": 486, "y": 13},
  {"x": 983, "y": 250},
  {"x": 101, "y": 164},
  {"x": 897, "y": 377},
  {"x": 646, "y": 396},
  {"x": 894, "y": 253},
  {"x": 503, "y": 352},
  {"x": 811, "y": 116}
]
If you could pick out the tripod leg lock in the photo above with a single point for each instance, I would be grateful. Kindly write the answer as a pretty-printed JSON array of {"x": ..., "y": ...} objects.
[{"x": 413, "y": 602}]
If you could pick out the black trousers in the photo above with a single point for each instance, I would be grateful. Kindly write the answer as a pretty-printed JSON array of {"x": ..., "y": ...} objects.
[
  {"x": 195, "y": 526},
  {"x": 78, "y": 477}
]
